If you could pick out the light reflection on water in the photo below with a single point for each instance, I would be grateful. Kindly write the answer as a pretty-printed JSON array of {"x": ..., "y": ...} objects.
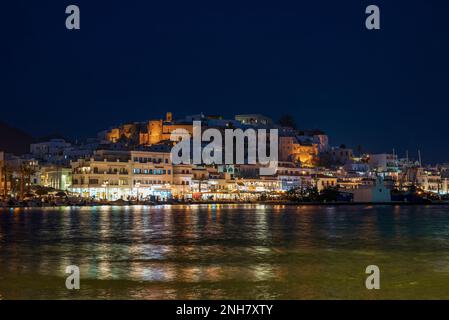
[{"x": 225, "y": 251}]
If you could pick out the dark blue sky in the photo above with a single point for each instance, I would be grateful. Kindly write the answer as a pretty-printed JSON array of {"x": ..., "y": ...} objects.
[{"x": 135, "y": 60}]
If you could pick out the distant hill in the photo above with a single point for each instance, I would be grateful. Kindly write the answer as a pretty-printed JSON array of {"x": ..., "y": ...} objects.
[{"x": 13, "y": 140}]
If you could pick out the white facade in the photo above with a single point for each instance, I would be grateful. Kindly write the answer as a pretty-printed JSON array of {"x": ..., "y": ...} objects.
[
  {"x": 52, "y": 150},
  {"x": 383, "y": 162},
  {"x": 372, "y": 193}
]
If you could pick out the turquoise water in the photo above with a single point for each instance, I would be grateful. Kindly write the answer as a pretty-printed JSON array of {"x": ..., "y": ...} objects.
[{"x": 225, "y": 252}]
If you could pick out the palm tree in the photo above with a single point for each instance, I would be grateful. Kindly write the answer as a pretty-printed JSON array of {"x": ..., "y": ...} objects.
[
  {"x": 29, "y": 171},
  {"x": 7, "y": 172},
  {"x": 2, "y": 174},
  {"x": 22, "y": 171},
  {"x": 26, "y": 171}
]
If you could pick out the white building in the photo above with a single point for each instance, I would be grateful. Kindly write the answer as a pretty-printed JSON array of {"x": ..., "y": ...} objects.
[
  {"x": 254, "y": 119},
  {"x": 341, "y": 155},
  {"x": 290, "y": 176},
  {"x": 103, "y": 176},
  {"x": 383, "y": 162},
  {"x": 138, "y": 174},
  {"x": 152, "y": 174},
  {"x": 377, "y": 192},
  {"x": 51, "y": 151},
  {"x": 431, "y": 181}
]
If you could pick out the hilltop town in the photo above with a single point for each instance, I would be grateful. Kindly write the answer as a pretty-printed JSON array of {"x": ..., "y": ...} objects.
[{"x": 131, "y": 163}]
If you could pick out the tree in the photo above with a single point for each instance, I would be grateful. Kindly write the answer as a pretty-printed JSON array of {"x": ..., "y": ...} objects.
[
  {"x": 303, "y": 194},
  {"x": 42, "y": 191},
  {"x": 22, "y": 171},
  {"x": 29, "y": 170},
  {"x": 287, "y": 120},
  {"x": 7, "y": 172},
  {"x": 329, "y": 194},
  {"x": 26, "y": 171}
]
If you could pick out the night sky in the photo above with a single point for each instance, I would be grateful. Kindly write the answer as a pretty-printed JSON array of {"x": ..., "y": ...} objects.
[{"x": 135, "y": 60}]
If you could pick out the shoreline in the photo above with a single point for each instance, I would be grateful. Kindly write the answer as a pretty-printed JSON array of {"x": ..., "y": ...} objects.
[{"x": 269, "y": 203}]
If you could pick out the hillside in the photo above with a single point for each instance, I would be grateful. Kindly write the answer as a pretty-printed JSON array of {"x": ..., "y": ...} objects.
[{"x": 13, "y": 140}]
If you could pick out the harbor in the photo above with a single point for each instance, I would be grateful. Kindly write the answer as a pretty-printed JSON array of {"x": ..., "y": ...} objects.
[{"x": 207, "y": 251}]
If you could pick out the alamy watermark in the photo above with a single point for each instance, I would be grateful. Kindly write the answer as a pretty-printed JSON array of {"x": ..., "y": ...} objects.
[
  {"x": 372, "y": 21},
  {"x": 72, "y": 22},
  {"x": 73, "y": 280},
  {"x": 250, "y": 147},
  {"x": 373, "y": 280}
]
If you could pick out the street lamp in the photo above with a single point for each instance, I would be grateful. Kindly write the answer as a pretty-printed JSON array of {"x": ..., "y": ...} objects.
[{"x": 105, "y": 185}]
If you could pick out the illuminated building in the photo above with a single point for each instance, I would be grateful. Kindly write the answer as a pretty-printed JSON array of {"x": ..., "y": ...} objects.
[
  {"x": 129, "y": 132},
  {"x": 290, "y": 149},
  {"x": 182, "y": 180},
  {"x": 383, "y": 162},
  {"x": 50, "y": 151},
  {"x": 56, "y": 177},
  {"x": 341, "y": 155},
  {"x": 160, "y": 130},
  {"x": 140, "y": 174},
  {"x": 152, "y": 174},
  {"x": 431, "y": 181},
  {"x": 322, "y": 182},
  {"x": 102, "y": 176},
  {"x": 376, "y": 192},
  {"x": 254, "y": 119},
  {"x": 291, "y": 176},
  {"x": 3, "y": 181}
]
